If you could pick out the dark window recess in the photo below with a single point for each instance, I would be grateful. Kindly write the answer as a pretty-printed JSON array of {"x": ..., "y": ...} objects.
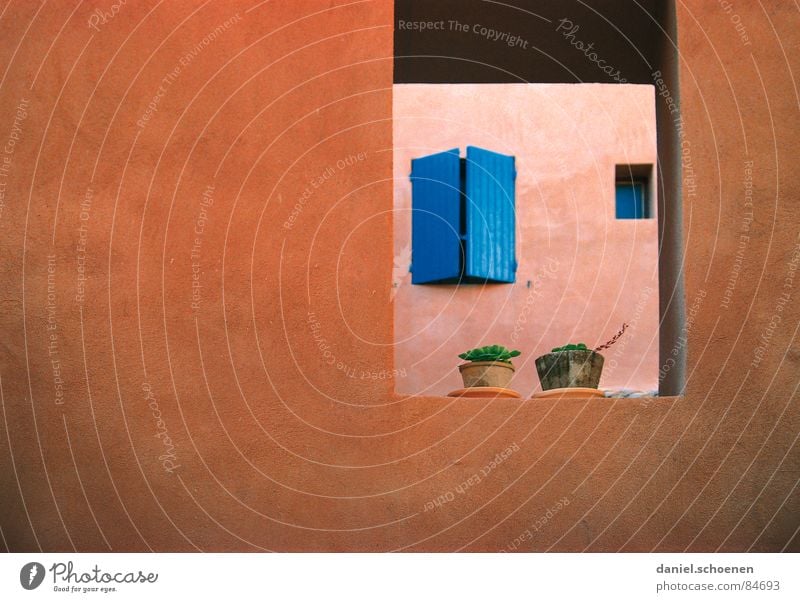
[
  {"x": 545, "y": 43},
  {"x": 463, "y": 218},
  {"x": 632, "y": 191}
]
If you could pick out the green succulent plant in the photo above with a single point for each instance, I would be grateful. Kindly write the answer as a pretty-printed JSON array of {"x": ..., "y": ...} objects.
[
  {"x": 489, "y": 353},
  {"x": 570, "y": 347}
]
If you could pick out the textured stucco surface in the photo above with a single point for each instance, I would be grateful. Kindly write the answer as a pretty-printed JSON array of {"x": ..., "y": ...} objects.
[
  {"x": 275, "y": 448},
  {"x": 581, "y": 272}
]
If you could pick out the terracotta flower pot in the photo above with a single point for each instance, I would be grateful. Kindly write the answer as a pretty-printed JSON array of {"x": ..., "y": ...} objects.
[
  {"x": 574, "y": 368},
  {"x": 486, "y": 374}
]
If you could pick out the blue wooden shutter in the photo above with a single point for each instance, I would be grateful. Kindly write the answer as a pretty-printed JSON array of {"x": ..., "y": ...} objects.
[
  {"x": 436, "y": 252},
  {"x": 630, "y": 200},
  {"x": 490, "y": 248}
]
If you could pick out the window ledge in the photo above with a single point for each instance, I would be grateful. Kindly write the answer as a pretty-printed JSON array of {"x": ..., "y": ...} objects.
[{"x": 628, "y": 402}]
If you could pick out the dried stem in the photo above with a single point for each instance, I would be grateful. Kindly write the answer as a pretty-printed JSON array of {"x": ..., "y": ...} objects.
[{"x": 613, "y": 340}]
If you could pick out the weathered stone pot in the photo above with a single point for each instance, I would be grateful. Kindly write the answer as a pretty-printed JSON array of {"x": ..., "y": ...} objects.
[
  {"x": 486, "y": 374},
  {"x": 574, "y": 368}
]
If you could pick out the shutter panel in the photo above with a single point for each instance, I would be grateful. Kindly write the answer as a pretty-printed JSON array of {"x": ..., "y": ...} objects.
[
  {"x": 630, "y": 200},
  {"x": 490, "y": 206},
  {"x": 436, "y": 253}
]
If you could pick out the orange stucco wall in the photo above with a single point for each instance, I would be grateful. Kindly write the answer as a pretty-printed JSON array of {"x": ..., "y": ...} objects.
[
  {"x": 581, "y": 272},
  {"x": 133, "y": 420}
]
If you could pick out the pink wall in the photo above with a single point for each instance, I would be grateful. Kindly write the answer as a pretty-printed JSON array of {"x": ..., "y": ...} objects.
[{"x": 589, "y": 272}]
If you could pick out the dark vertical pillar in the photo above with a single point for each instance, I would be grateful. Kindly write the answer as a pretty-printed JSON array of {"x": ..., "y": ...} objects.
[{"x": 672, "y": 304}]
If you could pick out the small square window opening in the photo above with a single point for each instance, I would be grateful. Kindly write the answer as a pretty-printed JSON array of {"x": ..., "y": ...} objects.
[{"x": 632, "y": 192}]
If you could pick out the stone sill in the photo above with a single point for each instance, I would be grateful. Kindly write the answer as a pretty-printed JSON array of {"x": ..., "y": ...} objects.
[{"x": 658, "y": 402}]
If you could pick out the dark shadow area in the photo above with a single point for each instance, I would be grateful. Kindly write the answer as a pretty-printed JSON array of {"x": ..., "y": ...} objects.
[{"x": 542, "y": 41}]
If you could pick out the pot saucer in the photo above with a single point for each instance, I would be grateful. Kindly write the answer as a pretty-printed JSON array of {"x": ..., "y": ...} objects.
[
  {"x": 569, "y": 393},
  {"x": 485, "y": 392}
]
